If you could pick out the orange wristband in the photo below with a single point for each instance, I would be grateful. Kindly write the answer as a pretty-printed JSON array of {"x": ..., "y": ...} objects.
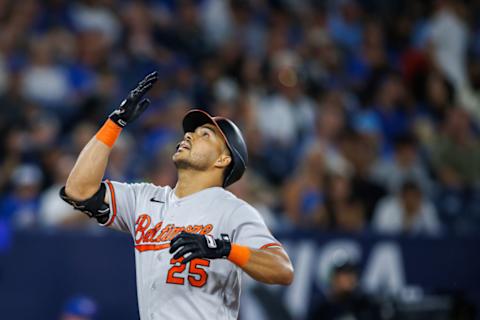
[
  {"x": 239, "y": 255},
  {"x": 108, "y": 133}
]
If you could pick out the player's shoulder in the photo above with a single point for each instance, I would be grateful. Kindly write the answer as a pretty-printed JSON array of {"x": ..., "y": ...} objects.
[
  {"x": 152, "y": 190},
  {"x": 236, "y": 204},
  {"x": 143, "y": 188},
  {"x": 224, "y": 196}
]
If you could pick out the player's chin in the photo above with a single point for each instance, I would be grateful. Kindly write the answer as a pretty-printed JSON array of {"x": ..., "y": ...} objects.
[
  {"x": 178, "y": 154},
  {"x": 180, "y": 160}
]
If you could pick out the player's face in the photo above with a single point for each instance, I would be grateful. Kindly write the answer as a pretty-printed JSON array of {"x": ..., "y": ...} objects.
[{"x": 201, "y": 149}]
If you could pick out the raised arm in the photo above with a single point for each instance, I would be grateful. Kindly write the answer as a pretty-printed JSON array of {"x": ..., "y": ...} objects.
[
  {"x": 85, "y": 177},
  {"x": 83, "y": 183}
]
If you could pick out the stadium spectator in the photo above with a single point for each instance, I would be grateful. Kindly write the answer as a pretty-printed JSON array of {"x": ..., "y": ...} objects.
[
  {"x": 408, "y": 212},
  {"x": 359, "y": 150},
  {"x": 344, "y": 298},
  {"x": 284, "y": 118},
  {"x": 13, "y": 147},
  {"x": 448, "y": 38},
  {"x": 44, "y": 80},
  {"x": 20, "y": 206},
  {"x": 352, "y": 219},
  {"x": 54, "y": 212},
  {"x": 437, "y": 96},
  {"x": 390, "y": 108},
  {"x": 293, "y": 75},
  {"x": 304, "y": 193},
  {"x": 404, "y": 165},
  {"x": 330, "y": 122},
  {"x": 346, "y": 211},
  {"x": 455, "y": 153},
  {"x": 344, "y": 23},
  {"x": 457, "y": 147},
  {"x": 259, "y": 195}
]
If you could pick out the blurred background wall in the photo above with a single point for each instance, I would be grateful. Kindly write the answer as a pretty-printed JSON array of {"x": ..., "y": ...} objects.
[{"x": 361, "y": 118}]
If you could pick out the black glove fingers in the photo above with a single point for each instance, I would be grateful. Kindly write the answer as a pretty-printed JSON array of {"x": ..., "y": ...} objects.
[
  {"x": 131, "y": 108},
  {"x": 196, "y": 246},
  {"x": 133, "y": 96},
  {"x": 177, "y": 237},
  {"x": 148, "y": 81},
  {"x": 139, "y": 108},
  {"x": 190, "y": 248},
  {"x": 192, "y": 256},
  {"x": 144, "y": 85},
  {"x": 143, "y": 89},
  {"x": 184, "y": 235},
  {"x": 143, "y": 104},
  {"x": 188, "y": 235},
  {"x": 180, "y": 242},
  {"x": 140, "y": 91},
  {"x": 151, "y": 77}
]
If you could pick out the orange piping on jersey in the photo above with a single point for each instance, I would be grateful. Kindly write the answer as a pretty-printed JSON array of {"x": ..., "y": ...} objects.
[
  {"x": 114, "y": 203},
  {"x": 152, "y": 247},
  {"x": 268, "y": 245}
]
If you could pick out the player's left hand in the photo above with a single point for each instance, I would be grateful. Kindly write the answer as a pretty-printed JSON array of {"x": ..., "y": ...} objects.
[{"x": 199, "y": 246}]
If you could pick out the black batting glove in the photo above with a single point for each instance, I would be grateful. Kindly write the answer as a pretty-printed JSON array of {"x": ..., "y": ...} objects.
[
  {"x": 199, "y": 246},
  {"x": 134, "y": 104}
]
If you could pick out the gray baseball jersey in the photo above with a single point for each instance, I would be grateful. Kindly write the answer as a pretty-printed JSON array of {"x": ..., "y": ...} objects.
[{"x": 201, "y": 289}]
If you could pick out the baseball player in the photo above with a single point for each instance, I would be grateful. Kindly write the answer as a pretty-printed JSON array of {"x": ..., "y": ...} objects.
[{"x": 192, "y": 242}]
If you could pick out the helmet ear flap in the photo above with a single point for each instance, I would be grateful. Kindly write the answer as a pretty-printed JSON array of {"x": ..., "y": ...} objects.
[
  {"x": 227, "y": 174},
  {"x": 236, "y": 168},
  {"x": 238, "y": 150}
]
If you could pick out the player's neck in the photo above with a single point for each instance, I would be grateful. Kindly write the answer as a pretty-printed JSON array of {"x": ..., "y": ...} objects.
[{"x": 190, "y": 182}]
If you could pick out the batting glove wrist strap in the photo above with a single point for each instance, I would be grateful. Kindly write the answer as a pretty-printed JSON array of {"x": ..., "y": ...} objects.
[
  {"x": 240, "y": 255},
  {"x": 109, "y": 133},
  {"x": 134, "y": 104},
  {"x": 192, "y": 246}
]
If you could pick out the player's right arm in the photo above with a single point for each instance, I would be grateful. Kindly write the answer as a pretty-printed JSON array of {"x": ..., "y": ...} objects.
[
  {"x": 86, "y": 176},
  {"x": 83, "y": 188}
]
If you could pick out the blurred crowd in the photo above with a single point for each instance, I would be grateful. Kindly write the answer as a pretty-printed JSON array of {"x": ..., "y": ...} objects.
[{"x": 359, "y": 115}]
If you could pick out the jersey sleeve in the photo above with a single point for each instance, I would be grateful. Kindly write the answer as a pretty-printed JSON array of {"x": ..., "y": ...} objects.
[
  {"x": 249, "y": 229},
  {"x": 123, "y": 205}
]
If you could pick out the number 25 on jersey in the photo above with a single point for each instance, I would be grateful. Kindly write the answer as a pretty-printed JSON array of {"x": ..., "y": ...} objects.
[{"x": 197, "y": 276}]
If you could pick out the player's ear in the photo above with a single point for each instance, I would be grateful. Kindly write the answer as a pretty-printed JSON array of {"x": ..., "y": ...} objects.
[{"x": 223, "y": 161}]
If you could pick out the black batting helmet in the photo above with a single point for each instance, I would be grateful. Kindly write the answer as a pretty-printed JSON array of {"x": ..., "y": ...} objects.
[{"x": 232, "y": 136}]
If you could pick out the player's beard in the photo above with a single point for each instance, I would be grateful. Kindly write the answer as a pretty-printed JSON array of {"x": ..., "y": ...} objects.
[{"x": 196, "y": 164}]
